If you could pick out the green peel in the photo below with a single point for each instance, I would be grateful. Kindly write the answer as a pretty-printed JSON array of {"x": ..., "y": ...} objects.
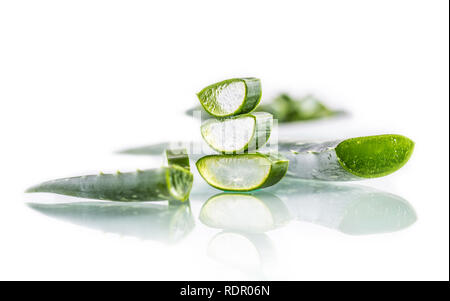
[
  {"x": 243, "y": 172},
  {"x": 159, "y": 222},
  {"x": 231, "y": 97},
  {"x": 374, "y": 156},
  {"x": 249, "y": 212},
  {"x": 238, "y": 134},
  {"x": 171, "y": 183}
]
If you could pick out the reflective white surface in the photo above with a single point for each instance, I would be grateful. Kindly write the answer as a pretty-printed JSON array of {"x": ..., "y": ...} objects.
[{"x": 81, "y": 81}]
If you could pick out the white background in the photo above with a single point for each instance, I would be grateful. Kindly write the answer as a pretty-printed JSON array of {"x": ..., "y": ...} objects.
[{"x": 82, "y": 79}]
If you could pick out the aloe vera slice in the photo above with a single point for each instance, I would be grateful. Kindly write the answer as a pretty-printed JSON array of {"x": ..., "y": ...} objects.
[
  {"x": 349, "y": 159},
  {"x": 249, "y": 212},
  {"x": 238, "y": 134},
  {"x": 243, "y": 172},
  {"x": 178, "y": 157},
  {"x": 157, "y": 222},
  {"x": 172, "y": 183},
  {"x": 231, "y": 97}
]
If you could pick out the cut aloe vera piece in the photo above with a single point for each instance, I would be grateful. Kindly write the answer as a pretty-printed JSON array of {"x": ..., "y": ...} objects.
[
  {"x": 351, "y": 209},
  {"x": 349, "y": 159},
  {"x": 157, "y": 222},
  {"x": 243, "y": 172},
  {"x": 172, "y": 183},
  {"x": 231, "y": 97},
  {"x": 249, "y": 212},
  {"x": 286, "y": 109},
  {"x": 238, "y": 134},
  {"x": 178, "y": 157}
]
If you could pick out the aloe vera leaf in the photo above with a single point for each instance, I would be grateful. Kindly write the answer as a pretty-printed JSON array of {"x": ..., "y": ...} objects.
[
  {"x": 158, "y": 222},
  {"x": 238, "y": 134},
  {"x": 349, "y": 159},
  {"x": 351, "y": 209},
  {"x": 285, "y": 109},
  {"x": 244, "y": 172},
  {"x": 248, "y": 212},
  {"x": 166, "y": 183},
  {"x": 178, "y": 157},
  {"x": 231, "y": 97}
]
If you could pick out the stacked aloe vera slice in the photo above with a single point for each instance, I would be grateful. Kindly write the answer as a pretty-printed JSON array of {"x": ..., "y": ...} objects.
[{"x": 236, "y": 134}]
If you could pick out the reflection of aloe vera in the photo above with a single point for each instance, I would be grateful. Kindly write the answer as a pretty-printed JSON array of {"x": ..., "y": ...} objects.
[
  {"x": 253, "y": 254},
  {"x": 166, "y": 183},
  {"x": 347, "y": 160},
  {"x": 350, "y": 209},
  {"x": 147, "y": 221},
  {"x": 245, "y": 212}
]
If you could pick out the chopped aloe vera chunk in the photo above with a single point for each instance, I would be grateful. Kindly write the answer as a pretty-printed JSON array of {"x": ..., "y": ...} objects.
[
  {"x": 158, "y": 222},
  {"x": 238, "y": 134},
  {"x": 349, "y": 159},
  {"x": 286, "y": 109},
  {"x": 178, "y": 157},
  {"x": 172, "y": 183},
  {"x": 257, "y": 212},
  {"x": 243, "y": 172},
  {"x": 231, "y": 97}
]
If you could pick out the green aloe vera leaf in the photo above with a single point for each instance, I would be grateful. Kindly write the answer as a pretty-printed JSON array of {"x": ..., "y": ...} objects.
[
  {"x": 231, "y": 97},
  {"x": 286, "y": 109},
  {"x": 349, "y": 159},
  {"x": 172, "y": 183},
  {"x": 178, "y": 157},
  {"x": 158, "y": 222},
  {"x": 248, "y": 212},
  {"x": 348, "y": 208},
  {"x": 238, "y": 134},
  {"x": 244, "y": 172}
]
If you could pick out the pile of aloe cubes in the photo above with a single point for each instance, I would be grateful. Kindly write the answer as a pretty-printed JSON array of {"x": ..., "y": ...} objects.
[{"x": 237, "y": 133}]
